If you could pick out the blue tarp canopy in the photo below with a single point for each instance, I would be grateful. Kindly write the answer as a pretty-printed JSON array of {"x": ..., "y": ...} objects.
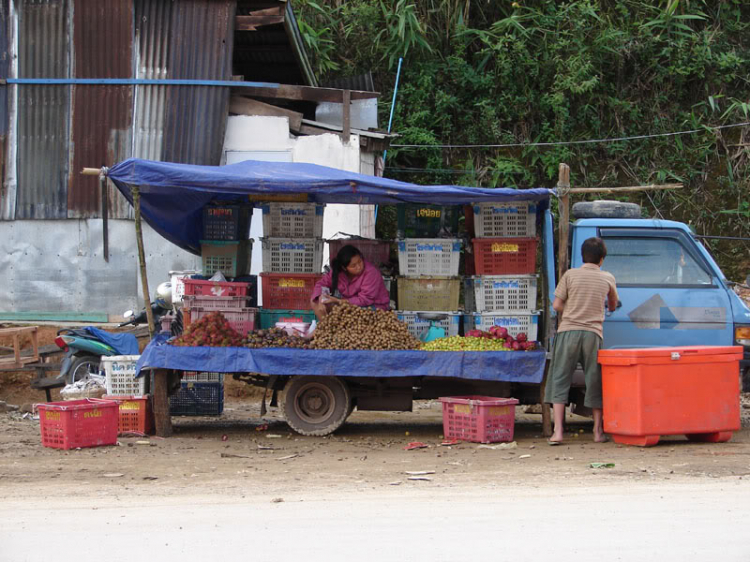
[
  {"x": 510, "y": 366},
  {"x": 173, "y": 195}
]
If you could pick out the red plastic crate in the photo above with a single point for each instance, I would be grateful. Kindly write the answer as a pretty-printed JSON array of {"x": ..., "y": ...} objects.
[
  {"x": 504, "y": 256},
  {"x": 288, "y": 291},
  {"x": 205, "y": 288},
  {"x": 376, "y": 252},
  {"x": 78, "y": 423},
  {"x": 242, "y": 320},
  {"x": 135, "y": 414},
  {"x": 479, "y": 419}
]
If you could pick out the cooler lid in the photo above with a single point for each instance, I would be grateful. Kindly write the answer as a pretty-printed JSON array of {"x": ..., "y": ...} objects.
[{"x": 666, "y": 352}]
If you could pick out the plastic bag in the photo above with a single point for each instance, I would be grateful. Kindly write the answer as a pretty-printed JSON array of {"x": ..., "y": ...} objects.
[
  {"x": 218, "y": 276},
  {"x": 93, "y": 386}
]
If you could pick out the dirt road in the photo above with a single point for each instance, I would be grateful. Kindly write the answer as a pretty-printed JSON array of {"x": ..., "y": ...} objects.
[
  {"x": 684, "y": 520},
  {"x": 242, "y": 484}
]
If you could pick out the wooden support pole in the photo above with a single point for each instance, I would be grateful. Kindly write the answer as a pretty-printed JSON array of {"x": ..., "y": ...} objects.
[
  {"x": 142, "y": 259},
  {"x": 563, "y": 191},
  {"x": 347, "y": 117},
  {"x": 162, "y": 419},
  {"x": 105, "y": 215}
]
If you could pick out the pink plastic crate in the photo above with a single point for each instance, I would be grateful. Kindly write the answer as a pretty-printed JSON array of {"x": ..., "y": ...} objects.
[
  {"x": 214, "y": 303},
  {"x": 242, "y": 320},
  {"x": 479, "y": 419}
]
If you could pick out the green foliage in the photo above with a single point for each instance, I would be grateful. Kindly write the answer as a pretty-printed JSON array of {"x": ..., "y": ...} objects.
[{"x": 548, "y": 71}]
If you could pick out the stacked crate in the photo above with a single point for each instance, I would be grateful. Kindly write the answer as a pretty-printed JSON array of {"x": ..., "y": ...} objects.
[
  {"x": 503, "y": 291},
  {"x": 200, "y": 394},
  {"x": 225, "y": 247},
  {"x": 292, "y": 260},
  {"x": 428, "y": 257}
]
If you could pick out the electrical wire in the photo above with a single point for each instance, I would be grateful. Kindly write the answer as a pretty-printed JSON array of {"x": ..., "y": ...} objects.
[{"x": 564, "y": 143}]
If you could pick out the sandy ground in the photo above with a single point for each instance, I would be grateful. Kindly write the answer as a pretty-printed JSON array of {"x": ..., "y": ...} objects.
[{"x": 224, "y": 454}]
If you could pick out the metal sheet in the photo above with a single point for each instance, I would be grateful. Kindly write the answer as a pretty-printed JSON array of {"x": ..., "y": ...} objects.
[
  {"x": 152, "y": 29},
  {"x": 5, "y": 57},
  {"x": 101, "y": 115},
  {"x": 57, "y": 266},
  {"x": 200, "y": 47},
  {"x": 42, "y": 157}
]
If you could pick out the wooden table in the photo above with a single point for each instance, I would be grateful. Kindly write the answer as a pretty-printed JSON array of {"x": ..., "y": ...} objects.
[{"x": 18, "y": 359}]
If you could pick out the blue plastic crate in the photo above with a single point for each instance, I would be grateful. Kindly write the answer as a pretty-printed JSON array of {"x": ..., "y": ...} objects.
[{"x": 198, "y": 399}]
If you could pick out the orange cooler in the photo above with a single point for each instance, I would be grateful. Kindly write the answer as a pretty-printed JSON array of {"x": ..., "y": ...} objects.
[{"x": 671, "y": 391}]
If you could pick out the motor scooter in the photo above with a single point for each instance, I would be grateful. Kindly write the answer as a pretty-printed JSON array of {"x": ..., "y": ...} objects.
[{"x": 84, "y": 347}]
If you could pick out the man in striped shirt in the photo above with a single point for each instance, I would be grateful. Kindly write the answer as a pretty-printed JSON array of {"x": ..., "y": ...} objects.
[{"x": 580, "y": 298}]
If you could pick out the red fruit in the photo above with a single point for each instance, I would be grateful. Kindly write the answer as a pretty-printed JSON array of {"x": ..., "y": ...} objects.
[
  {"x": 516, "y": 346},
  {"x": 521, "y": 337}
]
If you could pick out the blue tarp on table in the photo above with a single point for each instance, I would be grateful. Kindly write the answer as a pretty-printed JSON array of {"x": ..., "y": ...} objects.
[
  {"x": 507, "y": 366},
  {"x": 173, "y": 195}
]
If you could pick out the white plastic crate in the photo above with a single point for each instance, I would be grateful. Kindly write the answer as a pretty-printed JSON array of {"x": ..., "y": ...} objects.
[
  {"x": 515, "y": 322},
  {"x": 120, "y": 374},
  {"x": 486, "y": 293},
  {"x": 497, "y": 220},
  {"x": 429, "y": 256},
  {"x": 293, "y": 220},
  {"x": 292, "y": 255},
  {"x": 418, "y": 326},
  {"x": 193, "y": 376}
]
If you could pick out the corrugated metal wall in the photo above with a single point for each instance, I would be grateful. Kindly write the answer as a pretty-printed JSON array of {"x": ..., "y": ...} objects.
[
  {"x": 152, "y": 29},
  {"x": 102, "y": 114},
  {"x": 62, "y": 129},
  {"x": 200, "y": 47},
  {"x": 42, "y": 162},
  {"x": 4, "y": 109}
]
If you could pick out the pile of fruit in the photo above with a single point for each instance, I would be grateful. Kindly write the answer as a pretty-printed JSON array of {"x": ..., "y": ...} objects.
[
  {"x": 519, "y": 343},
  {"x": 497, "y": 339},
  {"x": 351, "y": 327},
  {"x": 213, "y": 330},
  {"x": 275, "y": 337}
]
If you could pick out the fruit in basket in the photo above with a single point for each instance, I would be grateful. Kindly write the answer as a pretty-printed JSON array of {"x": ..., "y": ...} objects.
[
  {"x": 351, "y": 327},
  {"x": 469, "y": 343},
  {"x": 275, "y": 337},
  {"x": 521, "y": 337},
  {"x": 213, "y": 330},
  {"x": 499, "y": 332}
]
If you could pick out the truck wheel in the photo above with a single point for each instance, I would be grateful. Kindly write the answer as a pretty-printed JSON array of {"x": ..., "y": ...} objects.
[
  {"x": 606, "y": 210},
  {"x": 315, "y": 405}
]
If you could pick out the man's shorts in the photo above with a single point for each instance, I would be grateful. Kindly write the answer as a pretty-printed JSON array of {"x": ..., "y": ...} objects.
[{"x": 569, "y": 349}]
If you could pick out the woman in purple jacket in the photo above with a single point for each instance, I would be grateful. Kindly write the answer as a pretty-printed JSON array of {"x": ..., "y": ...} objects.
[{"x": 351, "y": 279}]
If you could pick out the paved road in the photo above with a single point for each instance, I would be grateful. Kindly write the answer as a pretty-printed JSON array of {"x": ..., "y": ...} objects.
[{"x": 699, "y": 520}]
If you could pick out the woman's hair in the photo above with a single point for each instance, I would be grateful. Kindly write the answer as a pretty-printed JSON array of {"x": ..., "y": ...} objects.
[{"x": 341, "y": 262}]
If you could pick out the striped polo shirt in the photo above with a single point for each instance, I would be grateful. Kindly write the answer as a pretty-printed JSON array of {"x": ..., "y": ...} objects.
[{"x": 584, "y": 291}]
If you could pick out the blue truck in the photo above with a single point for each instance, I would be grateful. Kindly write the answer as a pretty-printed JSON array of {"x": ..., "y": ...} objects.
[{"x": 672, "y": 293}]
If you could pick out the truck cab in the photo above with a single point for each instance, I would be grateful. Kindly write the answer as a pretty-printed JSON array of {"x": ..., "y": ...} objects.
[{"x": 672, "y": 291}]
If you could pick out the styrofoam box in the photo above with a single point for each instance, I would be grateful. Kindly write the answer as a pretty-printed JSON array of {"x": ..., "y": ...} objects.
[{"x": 120, "y": 375}]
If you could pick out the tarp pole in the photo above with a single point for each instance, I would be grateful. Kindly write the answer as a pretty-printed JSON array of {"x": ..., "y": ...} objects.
[
  {"x": 105, "y": 213},
  {"x": 142, "y": 259}
]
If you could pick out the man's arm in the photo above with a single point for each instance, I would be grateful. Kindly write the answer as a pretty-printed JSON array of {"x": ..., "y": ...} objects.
[
  {"x": 559, "y": 305},
  {"x": 612, "y": 299}
]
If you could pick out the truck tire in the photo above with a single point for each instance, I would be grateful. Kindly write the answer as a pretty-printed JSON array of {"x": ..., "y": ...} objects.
[
  {"x": 606, "y": 210},
  {"x": 315, "y": 405}
]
